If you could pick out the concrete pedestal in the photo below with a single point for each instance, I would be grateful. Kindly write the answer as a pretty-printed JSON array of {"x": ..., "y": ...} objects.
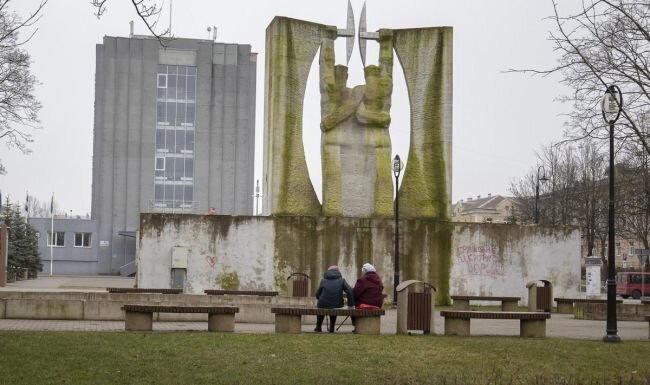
[
  {"x": 136, "y": 321},
  {"x": 458, "y": 327},
  {"x": 461, "y": 304},
  {"x": 509, "y": 305},
  {"x": 288, "y": 323},
  {"x": 367, "y": 325},
  {"x": 221, "y": 322},
  {"x": 532, "y": 328},
  {"x": 565, "y": 307}
]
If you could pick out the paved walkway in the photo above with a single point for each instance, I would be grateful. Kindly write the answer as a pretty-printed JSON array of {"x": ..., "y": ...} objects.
[
  {"x": 560, "y": 325},
  {"x": 70, "y": 283}
]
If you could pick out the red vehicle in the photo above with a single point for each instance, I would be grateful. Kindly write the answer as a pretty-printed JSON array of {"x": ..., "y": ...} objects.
[{"x": 632, "y": 284}]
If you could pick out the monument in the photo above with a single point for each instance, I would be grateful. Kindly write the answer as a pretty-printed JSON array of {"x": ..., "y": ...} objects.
[
  {"x": 355, "y": 122},
  {"x": 353, "y": 224}
]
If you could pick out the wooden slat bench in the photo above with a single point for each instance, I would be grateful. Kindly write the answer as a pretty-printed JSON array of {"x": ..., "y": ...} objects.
[
  {"x": 531, "y": 324},
  {"x": 241, "y": 292},
  {"x": 142, "y": 290},
  {"x": 140, "y": 317},
  {"x": 565, "y": 305},
  {"x": 289, "y": 319},
  {"x": 461, "y": 302}
]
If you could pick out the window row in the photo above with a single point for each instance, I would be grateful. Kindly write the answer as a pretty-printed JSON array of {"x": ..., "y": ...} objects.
[
  {"x": 175, "y": 114},
  {"x": 58, "y": 240},
  {"x": 176, "y": 70},
  {"x": 175, "y": 141},
  {"x": 173, "y": 193},
  {"x": 173, "y": 168},
  {"x": 179, "y": 88}
]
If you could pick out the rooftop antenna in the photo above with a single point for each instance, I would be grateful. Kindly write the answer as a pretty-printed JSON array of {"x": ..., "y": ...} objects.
[
  {"x": 214, "y": 33},
  {"x": 131, "y": 28},
  {"x": 209, "y": 29}
]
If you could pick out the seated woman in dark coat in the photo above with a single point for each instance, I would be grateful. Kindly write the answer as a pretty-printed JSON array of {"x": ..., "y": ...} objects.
[
  {"x": 368, "y": 291},
  {"x": 330, "y": 295}
]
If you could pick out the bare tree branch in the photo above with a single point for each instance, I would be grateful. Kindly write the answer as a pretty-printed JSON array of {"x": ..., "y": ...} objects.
[{"x": 147, "y": 10}]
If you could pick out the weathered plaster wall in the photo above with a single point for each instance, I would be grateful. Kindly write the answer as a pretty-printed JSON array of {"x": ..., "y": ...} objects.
[
  {"x": 261, "y": 252},
  {"x": 489, "y": 259}
]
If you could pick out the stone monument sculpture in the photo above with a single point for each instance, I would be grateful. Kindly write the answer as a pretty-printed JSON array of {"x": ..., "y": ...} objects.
[
  {"x": 356, "y": 148},
  {"x": 355, "y": 141}
]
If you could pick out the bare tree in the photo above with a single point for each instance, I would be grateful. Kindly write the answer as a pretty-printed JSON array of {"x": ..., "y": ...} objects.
[
  {"x": 606, "y": 42},
  {"x": 18, "y": 105},
  {"x": 148, "y": 11}
]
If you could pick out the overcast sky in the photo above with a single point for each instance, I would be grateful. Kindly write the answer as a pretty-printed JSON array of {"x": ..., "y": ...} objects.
[{"x": 500, "y": 119}]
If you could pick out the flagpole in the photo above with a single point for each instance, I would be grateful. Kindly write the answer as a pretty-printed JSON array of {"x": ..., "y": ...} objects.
[
  {"x": 52, "y": 235},
  {"x": 27, "y": 206}
]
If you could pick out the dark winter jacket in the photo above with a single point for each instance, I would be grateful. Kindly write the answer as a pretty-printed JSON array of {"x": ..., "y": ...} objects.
[
  {"x": 330, "y": 291},
  {"x": 368, "y": 290}
]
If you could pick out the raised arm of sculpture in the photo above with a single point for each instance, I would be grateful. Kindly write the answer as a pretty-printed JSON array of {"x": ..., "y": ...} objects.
[
  {"x": 338, "y": 102},
  {"x": 375, "y": 109}
]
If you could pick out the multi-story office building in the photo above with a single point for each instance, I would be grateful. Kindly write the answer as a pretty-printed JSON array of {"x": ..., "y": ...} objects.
[{"x": 174, "y": 132}]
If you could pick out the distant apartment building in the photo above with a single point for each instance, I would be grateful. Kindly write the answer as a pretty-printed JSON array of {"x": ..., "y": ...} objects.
[
  {"x": 174, "y": 132},
  {"x": 489, "y": 209}
]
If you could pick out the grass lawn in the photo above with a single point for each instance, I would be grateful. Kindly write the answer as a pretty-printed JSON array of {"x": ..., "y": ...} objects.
[{"x": 215, "y": 358}]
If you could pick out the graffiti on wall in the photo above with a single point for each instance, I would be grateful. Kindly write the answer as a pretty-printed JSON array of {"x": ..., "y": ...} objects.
[
  {"x": 211, "y": 260},
  {"x": 479, "y": 260}
]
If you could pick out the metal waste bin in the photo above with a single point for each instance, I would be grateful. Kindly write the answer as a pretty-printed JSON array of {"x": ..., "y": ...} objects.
[
  {"x": 298, "y": 285},
  {"x": 540, "y": 295},
  {"x": 415, "y": 306}
]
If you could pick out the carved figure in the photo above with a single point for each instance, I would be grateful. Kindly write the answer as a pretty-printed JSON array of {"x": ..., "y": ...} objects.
[{"x": 356, "y": 145}]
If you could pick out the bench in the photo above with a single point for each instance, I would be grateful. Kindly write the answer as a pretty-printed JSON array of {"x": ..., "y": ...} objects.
[
  {"x": 289, "y": 319},
  {"x": 140, "y": 317},
  {"x": 241, "y": 292},
  {"x": 532, "y": 324},
  {"x": 565, "y": 305},
  {"x": 142, "y": 290},
  {"x": 461, "y": 302}
]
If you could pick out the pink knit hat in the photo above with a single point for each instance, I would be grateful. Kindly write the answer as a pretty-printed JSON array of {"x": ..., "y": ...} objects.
[{"x": 333, "y": 267}]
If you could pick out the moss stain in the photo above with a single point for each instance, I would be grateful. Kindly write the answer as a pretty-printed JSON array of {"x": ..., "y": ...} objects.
[{"x": 228, "y": 280}]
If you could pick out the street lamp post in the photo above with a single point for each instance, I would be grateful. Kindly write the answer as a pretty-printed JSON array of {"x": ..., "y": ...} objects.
[
  {"x": 257, "y": 198},
  {"x": 543, "y": 178},
  {"x": 397, "y": 169},
  {"x": 612, "y": 104}
]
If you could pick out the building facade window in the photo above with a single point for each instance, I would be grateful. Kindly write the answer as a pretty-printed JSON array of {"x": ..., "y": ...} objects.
[
  {"x": 82, "y": 239},
  {"x": 59, "y": 239},
  {"x": 175, "y": 124}
]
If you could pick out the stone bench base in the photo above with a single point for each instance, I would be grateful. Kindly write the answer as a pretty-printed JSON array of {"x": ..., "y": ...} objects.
[
  {"x": 531, "y": 324},
  {"x": 140, "y": 317},
  {"x": 565, "y": 305},
  {"x": 289, "y": 320}
]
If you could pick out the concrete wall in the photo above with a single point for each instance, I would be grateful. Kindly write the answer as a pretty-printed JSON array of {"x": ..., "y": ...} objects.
[
  {"x": 107, "y": 306},
  {"x": 125, "y": 127},
  {"x": 260, "y": 252}
]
